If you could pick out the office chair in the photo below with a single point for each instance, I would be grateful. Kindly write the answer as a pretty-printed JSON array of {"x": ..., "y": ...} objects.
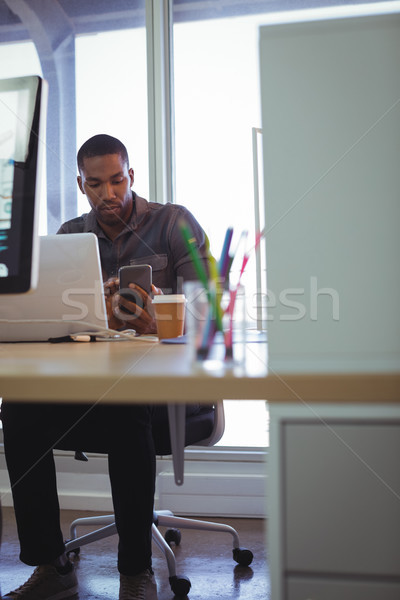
[{"x": 204, "y": 428}]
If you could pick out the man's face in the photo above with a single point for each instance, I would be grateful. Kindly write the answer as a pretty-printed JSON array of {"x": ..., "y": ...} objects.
[{"x": 106, "y": 181}]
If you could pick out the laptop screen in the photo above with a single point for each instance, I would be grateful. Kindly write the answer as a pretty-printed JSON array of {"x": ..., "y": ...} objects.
[{"x": 22, "y": 147}]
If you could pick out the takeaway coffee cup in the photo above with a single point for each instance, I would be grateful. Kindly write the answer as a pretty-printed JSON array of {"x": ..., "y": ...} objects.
[{"x": 169, "y": 310}]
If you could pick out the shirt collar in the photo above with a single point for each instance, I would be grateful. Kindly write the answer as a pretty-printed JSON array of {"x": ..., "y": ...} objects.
[{"x": 139, "y": 211}]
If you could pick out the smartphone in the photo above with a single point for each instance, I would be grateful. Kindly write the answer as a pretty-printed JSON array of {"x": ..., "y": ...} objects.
[{"x": 140, "y": 275}]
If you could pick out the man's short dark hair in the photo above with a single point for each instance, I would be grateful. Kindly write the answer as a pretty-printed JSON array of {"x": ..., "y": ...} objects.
[{"x": 99, "y": 145}]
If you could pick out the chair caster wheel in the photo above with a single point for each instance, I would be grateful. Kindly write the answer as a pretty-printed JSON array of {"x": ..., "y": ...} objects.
[
  {"x": 76, "y": 552},
  {"x": 180, "y": 585},
  {"x": 242, "y": 556},
  {"x": 173, "y": 535}
]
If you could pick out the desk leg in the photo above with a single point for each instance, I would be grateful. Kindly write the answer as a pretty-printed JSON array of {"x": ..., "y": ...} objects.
[{"x": 177, "y": 420}]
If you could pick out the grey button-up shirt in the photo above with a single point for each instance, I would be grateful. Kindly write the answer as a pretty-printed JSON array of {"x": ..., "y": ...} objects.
[{"x": 151, "y": 237}]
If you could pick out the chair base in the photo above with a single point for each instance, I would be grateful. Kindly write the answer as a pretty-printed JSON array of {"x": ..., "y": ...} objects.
[{"x": 180, "y": 584}]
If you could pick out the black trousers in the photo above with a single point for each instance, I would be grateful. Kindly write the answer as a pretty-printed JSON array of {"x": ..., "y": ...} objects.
[{"x": 31, "y": 431}]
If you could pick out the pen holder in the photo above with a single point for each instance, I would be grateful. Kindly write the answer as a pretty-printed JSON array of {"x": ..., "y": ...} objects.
[{"x": 215, "y": 325}]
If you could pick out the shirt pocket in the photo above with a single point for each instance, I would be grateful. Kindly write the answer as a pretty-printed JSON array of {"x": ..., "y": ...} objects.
[{"x": 159, "y": 267}]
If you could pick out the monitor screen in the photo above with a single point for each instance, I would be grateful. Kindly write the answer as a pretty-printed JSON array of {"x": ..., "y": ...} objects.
[{"x": 22, "y": 147}]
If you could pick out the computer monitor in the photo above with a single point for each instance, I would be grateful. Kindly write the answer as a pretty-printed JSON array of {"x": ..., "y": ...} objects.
[{"x": 23, "y": 102}]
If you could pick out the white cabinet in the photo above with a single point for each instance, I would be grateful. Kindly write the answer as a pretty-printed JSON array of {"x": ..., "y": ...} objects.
[
  {"x": 342, "y": 497},
  {"x": 334, "y": 525},
  {"x": 330, "y": 91},
  {"x": 310, "y": 589}
]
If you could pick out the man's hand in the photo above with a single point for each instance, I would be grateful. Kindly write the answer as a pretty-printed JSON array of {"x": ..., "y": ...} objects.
[{"x": 140, "y": 316}]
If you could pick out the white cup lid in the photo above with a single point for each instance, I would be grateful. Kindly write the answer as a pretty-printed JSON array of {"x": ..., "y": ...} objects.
[{"x": 168, "y": 298}]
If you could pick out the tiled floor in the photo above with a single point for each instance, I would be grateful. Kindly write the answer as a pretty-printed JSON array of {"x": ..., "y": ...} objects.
[{"x": 205, "y": 558}]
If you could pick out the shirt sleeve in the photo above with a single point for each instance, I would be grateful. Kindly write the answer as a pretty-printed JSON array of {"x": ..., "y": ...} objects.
[
  {"x": 76, "y": 225},
  {"x": 183, "y": 263}
]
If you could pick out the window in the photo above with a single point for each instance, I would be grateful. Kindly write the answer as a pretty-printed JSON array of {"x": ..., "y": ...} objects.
[
  {"x": 246, "y": 424},
  {"x": 216, "y": 106},
  {"x": 18, "y": 59},
  {"x": 216, "y": 92},
  {"x": 111, "y": 96}
]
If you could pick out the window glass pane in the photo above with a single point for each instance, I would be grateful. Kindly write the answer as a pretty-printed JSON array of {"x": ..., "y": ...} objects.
[
  {"x": 246, "y": 424},
  {"x": 216, "y": 106},
  {"x": 216, "y": 88},
  {"x": 19, "y": 59},
  {"x": 111, "y": 95}
]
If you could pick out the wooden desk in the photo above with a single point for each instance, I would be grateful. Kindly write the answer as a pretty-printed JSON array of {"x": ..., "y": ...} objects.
[{"x": 126, "y": 372}]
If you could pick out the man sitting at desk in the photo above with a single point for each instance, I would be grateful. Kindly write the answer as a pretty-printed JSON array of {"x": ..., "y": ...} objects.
[{"x": 129, "y": 229}]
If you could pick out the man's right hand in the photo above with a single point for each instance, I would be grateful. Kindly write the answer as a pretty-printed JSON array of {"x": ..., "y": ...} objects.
[{"x": 140, "y": 316}]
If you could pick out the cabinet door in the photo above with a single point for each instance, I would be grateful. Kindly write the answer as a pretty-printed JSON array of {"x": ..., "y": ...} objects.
[
  {"x": 309, "y": 589},
  {"x": 342, "y": 490}
]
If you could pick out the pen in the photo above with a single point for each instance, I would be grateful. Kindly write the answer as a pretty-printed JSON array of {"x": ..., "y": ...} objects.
[
  {"x": 190, "y": 240},
  {"x": 225, "y": 258}
]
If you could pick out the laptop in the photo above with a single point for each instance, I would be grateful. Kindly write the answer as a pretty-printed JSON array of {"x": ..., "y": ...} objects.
[{"x": 68, "y": 299}]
